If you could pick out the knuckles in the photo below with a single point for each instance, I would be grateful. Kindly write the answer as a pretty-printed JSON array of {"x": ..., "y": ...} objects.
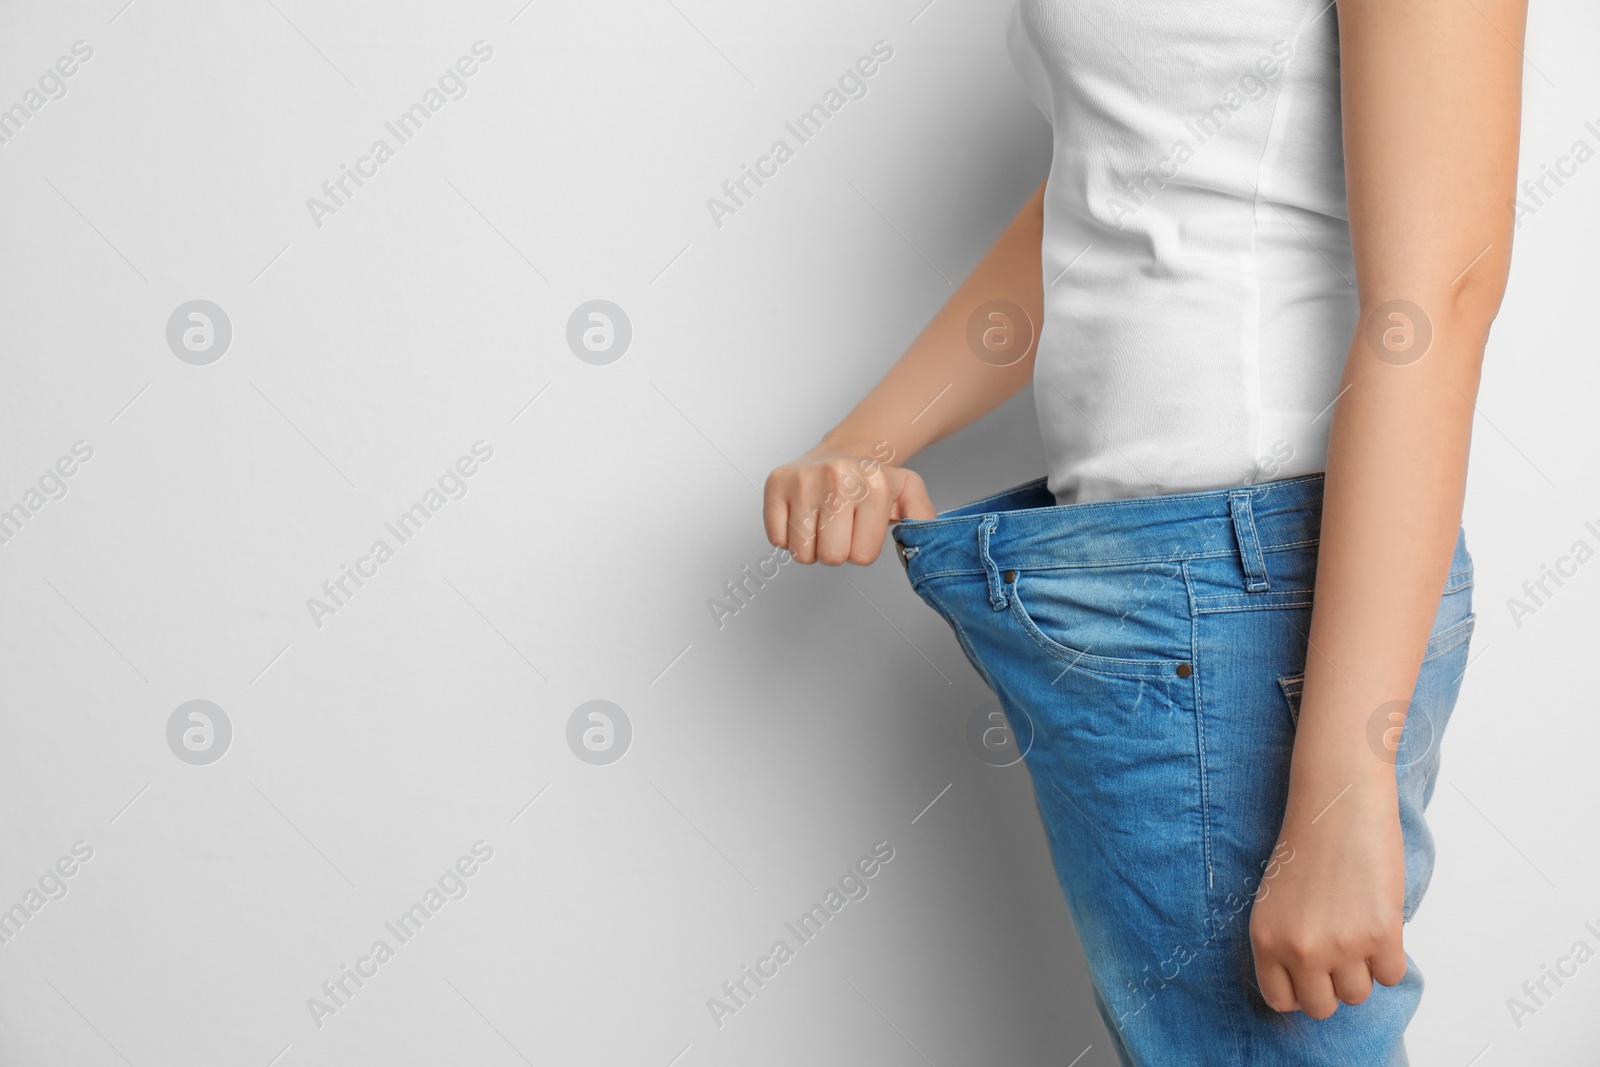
[
  {"x": 824, "y": 491},
  {"x": 1307, "y": 948}
]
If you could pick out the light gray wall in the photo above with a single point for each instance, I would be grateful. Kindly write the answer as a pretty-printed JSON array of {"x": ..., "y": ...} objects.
[{"x": 431, "y": 711}]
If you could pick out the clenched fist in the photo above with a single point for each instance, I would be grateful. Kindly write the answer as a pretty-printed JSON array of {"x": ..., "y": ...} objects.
[{"x": 835, "y": 503}]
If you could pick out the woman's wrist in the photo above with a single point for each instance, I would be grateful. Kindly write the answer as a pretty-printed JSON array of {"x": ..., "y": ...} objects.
[
  {"x": 1317, "y": 790},
  {"x": 1336, "y": 759},
  {"x": 848, "y": 440}
]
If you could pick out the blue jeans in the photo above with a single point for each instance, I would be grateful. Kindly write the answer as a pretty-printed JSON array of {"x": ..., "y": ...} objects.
[{"x": 1148, "y": 655}]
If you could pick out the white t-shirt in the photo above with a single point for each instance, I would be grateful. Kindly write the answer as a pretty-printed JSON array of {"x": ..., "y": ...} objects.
[{"x": 1199, "y": 285}]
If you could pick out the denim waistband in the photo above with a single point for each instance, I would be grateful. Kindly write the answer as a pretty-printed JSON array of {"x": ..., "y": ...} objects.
[{"x": 1027, "y": 528}]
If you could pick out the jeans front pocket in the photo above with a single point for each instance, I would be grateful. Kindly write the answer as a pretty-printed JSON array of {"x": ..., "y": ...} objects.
[{"x": 1122, "y": 621}]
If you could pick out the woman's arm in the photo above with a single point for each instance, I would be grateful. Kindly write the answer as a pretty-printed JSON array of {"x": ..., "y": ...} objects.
[
  {"x": 836, "y": 502},
  {"x": 1431, "y": 108}
]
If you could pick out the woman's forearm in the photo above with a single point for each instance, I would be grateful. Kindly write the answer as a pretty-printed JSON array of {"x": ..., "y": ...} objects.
[
  {"x": 1431, "y": 110},
  {"x": 940, "y": 384},
  {"x": 835, "y": 503},
  {"x": 1396, "y": 476},
  {"x": 1431, "y": 102}
]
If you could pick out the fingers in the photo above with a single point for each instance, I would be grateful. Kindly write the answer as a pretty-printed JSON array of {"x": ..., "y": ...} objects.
[
  {"x": 871, "y": 522},
  {"x": 804, "y": 516},
  {"x": 1352, "y": 982},
  {"x": 789, "y": 513},
  {"x": 1388, "y": 964},
  {"x": 1313, "y": 988},
  {"x": 833, "y": 534},
  {"x": 1317, "y": 991},
  {"x": 775, "y": 510},
  {"x": 911, "y": 497},
  {"x": 1277, "y": 989},
  {"x": 836, "y": 510},
  {"x": 802, "y": 534}
]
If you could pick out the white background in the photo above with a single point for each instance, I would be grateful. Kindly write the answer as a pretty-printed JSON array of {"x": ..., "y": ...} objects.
[{"x": 827, "y": 715}]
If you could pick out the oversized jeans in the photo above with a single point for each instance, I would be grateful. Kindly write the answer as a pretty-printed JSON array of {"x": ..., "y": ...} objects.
[{"x": 1149, "y": 655}]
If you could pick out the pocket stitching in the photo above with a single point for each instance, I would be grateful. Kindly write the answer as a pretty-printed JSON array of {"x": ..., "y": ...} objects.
[
  {"x": 1292, "y": 687},
  {"x": 1110, "y": 666},
  {"x": 1451, "y": 636}
]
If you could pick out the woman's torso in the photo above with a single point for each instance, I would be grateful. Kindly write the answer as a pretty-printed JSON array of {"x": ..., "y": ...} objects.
[{"x": 1199, "y": 286}]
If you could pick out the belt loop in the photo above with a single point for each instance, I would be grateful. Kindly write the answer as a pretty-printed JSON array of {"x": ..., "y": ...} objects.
[
  {"x": 1244, "y": 532},
  {"x": 997, "y": 593}
]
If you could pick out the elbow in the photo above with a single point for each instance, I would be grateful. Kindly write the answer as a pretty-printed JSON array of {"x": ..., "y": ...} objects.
[
  {"x": 1457, "y": 286},
  {"x": 1475, "y": 299},
  {"x": 1461, "y": 310},
  {"x": 1474, "y": 295}
]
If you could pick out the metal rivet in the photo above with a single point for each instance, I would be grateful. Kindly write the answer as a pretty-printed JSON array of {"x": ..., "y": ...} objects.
[
  {"x": 1184, "y": 670},
  {"x": 1011, "y": 576}
]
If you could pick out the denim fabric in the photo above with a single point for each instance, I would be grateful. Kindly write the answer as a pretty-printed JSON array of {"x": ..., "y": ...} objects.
[{"x": 1153, "y": 650}]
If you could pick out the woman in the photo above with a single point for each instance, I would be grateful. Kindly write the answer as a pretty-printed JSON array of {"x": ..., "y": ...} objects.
[{"x": 1264, "y": 265}]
